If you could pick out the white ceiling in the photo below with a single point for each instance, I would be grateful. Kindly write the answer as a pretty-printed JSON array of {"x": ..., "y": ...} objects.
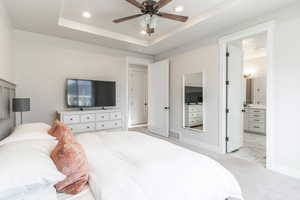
[
  {"x": 255, "y": 47},
  {"x": 63, "y": 18}
]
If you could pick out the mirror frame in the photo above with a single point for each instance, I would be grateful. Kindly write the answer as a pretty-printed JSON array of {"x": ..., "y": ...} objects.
[{"x": 183, "y": 104}]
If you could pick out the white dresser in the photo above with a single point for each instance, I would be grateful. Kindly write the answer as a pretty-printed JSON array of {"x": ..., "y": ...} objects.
[
  {"x": 89, "y": 121},
  {"x": 193, "y": 115},
  {"x": 255, "y": 120}
]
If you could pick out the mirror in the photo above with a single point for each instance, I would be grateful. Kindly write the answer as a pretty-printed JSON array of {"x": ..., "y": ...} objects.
[{"x": 193, "y": 115}]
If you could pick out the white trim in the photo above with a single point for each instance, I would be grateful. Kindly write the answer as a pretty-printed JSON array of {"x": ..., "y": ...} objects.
[
  {"x": 138, "y": 126},
  {"x": 269, "y": 28},
  {"x": 292, "y": 172},
  {"x": 132, "y": 61}
]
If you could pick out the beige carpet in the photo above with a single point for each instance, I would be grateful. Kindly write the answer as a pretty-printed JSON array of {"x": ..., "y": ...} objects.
[{"x": 256, "y": 182}]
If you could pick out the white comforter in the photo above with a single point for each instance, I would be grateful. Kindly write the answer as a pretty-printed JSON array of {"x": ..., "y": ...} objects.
[{"x": 134, "y": 166}]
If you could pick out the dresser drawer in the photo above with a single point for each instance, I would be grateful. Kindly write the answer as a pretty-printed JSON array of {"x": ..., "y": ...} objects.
[
  {"x": 256, "y": 120},
  {"x": 116, "y": 124},
  {"x": 116, "y": 115},
  {"x": 71, "y": 119},
  {"x": 195, "y": 122},
  {"x": 256, "y": 111},
  {"x": 103, "y": 125},
  {"x": 195, "y": 114},
  {"x": 256, "y": 127},
  {"x": 102, "y": 116},
  {"x": 256, "y": 115},
  {"x": 82, "y": 127},
  {"x": 87, "y": 118},
  {"x": 195, "y": 108}
]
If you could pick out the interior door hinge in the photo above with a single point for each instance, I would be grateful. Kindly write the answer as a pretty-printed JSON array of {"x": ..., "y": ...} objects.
[
  {"x": 227, "y": 54},
  {"x": 227, "y": 110},
  {"x": 227, "y": 82},
  {"x": 227, "y": 139}
]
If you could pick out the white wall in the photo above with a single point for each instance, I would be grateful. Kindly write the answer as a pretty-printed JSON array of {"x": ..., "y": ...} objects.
[
  {"x": 203, "y": 59},
  {"x": 43, "y": 64},
  {"x": 286, "y": 76},
  {"x": 6, "y": 34},
  {"x": 286, "y": 100}
]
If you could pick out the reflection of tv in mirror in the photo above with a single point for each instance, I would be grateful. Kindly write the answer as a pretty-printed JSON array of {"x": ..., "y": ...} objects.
[
  {"x": 193, "y": 95},
  {"x": 88, "y": 93}
]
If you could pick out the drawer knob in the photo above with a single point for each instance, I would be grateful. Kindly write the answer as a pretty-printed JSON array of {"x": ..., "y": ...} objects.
[
  {"x": 87, "y": 127},
  {"x": 256, "y": 127},
  {"x": 102, "y": 117},
  {"x": 88, "y": 117},
  {"x": 116, "y": 124},
  {"x": 102, "y": 125},
  {"x": 71, "y": 119}
]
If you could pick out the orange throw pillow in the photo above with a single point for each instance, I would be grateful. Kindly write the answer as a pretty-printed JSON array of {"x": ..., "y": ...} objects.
[
  {"x": 53, "y": 127},
  {"x": 70, "y": 159},
  {"x": 58, "y": 130}
]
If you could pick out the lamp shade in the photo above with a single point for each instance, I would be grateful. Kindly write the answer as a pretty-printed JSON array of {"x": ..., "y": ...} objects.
[{"x": 21, "y": 105}]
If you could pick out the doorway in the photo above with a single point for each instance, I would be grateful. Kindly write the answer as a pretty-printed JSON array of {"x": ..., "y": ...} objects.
[
  {"x": 138, "y": 95},
  {"x": 246, "y": 94},
  {"x": 246, "y": 98}
]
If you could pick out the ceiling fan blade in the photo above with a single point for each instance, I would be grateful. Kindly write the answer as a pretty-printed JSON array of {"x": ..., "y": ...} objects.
[
  {"x": 127, "y": 18},
  {"x": 173, "y": 17},
  {"x": 162, "y": 3},
  {"x": 135, "y": 3}
]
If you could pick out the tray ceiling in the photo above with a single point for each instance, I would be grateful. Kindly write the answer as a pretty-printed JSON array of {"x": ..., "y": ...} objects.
[
  {"x": 63, "y": 18},
  {"x": 103, "y": 12}
]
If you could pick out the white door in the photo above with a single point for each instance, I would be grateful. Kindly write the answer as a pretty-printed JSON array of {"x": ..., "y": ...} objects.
[
  {"x": 158, "y": 109},
  {"x": 138, "y": 96},
  {"x": 234, "y": 98}
]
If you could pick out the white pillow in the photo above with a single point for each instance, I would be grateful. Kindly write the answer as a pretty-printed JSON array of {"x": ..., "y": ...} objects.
[
  {"x": 33, "y": 131},
  {"x": 26, "y": 164}
]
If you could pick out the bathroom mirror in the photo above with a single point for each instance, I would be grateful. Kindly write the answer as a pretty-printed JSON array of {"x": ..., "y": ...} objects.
[{"x": 193, "y": 112}]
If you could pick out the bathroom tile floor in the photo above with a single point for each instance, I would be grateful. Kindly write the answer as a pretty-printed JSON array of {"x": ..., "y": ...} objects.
[{"x": 253, "y": 150}]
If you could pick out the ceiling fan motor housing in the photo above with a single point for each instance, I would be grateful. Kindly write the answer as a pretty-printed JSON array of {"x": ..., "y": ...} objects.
[{"x": 150, "y": 7}]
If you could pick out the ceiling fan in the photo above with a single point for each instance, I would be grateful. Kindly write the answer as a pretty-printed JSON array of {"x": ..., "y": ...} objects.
[{"x": 151, "y": 8}]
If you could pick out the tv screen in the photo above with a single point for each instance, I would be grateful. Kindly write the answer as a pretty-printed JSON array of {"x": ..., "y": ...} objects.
[
  {"x": 193, "y": 95},
  {"x": 89, "y": 93}
]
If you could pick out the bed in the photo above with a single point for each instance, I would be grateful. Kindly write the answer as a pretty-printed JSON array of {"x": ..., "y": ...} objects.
[
  {"x": 141, "y": 167},
  {"x": 123, "y": 166}
]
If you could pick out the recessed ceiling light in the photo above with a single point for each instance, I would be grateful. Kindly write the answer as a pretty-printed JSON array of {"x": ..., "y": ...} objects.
[
  {"x": 179, "y": 9},
  {"x": 86, "y": 14},
  {"x": 143, "y": 32}
]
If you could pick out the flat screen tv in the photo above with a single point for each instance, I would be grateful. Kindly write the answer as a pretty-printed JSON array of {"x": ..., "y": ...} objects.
[
  {"x": 193, "y": 95},
  {"x": 90, "y": 93}
]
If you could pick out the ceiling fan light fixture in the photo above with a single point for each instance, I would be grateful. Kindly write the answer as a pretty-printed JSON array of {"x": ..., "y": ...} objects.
[
  {"x": 143, "y": 32},
  {"x": 86, "y": 14},
  {"x": 149, "y": 20},
  {"x": 179, "y": 9}
]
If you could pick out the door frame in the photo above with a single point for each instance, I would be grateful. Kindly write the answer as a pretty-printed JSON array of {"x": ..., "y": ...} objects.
[
  {"x": 269, "y": 28},
  {"x": 130, "y": 70},
  {"x": 132, "y": 61}
]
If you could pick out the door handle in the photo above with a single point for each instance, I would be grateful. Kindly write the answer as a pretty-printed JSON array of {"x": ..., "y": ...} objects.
[{"x": 167, "y": 108}]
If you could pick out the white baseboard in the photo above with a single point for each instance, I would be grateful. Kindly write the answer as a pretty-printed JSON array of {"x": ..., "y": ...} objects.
[
  {"x": 291, "y": 172},
  {"x": 137, "y": 126},
  {"x": 196, "y": 142}
]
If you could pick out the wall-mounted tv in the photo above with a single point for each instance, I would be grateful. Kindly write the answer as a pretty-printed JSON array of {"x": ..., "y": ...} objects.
[
  {"x": 193, "y": 95},
  {"x": 90, "y": 93}
]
